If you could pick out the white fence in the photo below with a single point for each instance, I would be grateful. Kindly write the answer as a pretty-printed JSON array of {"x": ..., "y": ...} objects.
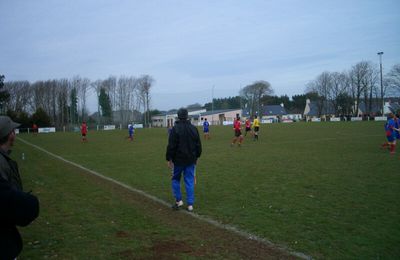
[
  {"x": 267, "y": 121},
  {"x": 109, "y": 127},
  {"x": 227, "y": 123},
  {"x": 45, "y": 130},
  {"x": 380, "y": 118}
]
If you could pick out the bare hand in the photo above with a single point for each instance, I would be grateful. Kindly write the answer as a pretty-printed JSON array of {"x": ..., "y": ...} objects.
[{"x": 170, "y": 164}]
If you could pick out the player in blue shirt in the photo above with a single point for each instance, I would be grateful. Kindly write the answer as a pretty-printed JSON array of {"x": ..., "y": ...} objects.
[
  {"x": 206, "y": 129},
  {"x": 390, "y": 130},
  {"x": 397, "y": 126},
  {"x": 131, "y": 130}
]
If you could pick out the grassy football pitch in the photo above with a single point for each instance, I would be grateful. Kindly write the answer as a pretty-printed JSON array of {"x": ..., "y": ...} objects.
[{"x": 324, "y": 189}]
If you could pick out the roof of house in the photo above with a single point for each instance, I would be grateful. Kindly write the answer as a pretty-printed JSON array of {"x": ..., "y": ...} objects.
[
  {"x": 269, "y": 110},
  {"x": 273, "y": 110},
  {"x": 221, "y": 111},
  {"x": 375, "y": 107},
  {"x": 164, "y": 113},
  {"x": 394, "y": 107},
  {"x": 175, "y": 111},
  {"x": 327, "y": 109}
]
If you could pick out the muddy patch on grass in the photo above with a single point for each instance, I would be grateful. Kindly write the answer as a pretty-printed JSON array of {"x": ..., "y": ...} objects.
[{"x": 122, "y": 234}]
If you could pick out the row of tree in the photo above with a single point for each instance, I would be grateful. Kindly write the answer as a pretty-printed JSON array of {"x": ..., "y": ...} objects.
[
  {"x": 346, "y": 90},
  {"x": 65, "y": 100}
]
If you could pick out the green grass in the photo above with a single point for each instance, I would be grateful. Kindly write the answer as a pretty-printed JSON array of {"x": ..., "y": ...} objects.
[{"x": 325, "y": 189}]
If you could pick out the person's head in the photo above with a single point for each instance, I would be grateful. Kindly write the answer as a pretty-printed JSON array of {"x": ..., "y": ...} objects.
[
  {"x": 255, "y": 116},
  {"x": 183, "y": 114},
  {"x": 7, "y": 134},
  {"x": 205, "y": 119}
]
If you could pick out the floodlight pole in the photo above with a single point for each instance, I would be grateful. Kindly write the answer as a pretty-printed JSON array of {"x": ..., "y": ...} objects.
[
  {"x": 212, "y": 104},
  {"x": 380, "y": 62}
]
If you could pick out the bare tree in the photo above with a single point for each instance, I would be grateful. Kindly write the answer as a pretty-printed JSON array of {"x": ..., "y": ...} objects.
[
  {"x": 322, "y": 85},
  {"x": 110, "y": 85},
  {"x": 20, "y": 96},
  {"x": 370, "y": 86},
  {"x": 62, "y": 102},
  {"x": 392, "y": 81},
  {"x": 82, "y": 86},
  {"x": 96, "y": 86},
  {"x": 125, "y": 97},
  {"x": 358, "y": 74},
  {"x": 145, "y": 84},
  {"x": 338, "y": 87},
  {"x": 253, "y": 93}
]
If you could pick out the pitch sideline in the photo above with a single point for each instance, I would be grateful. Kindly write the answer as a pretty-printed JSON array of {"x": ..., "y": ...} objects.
[{"x": 208, "y": 220}]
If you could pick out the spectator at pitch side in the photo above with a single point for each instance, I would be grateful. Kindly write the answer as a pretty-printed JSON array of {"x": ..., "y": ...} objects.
[
  {"x": 17, "y": 208},
  {"x": 183, "y": 150}
]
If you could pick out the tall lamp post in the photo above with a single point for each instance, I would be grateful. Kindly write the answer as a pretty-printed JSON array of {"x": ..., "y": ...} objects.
[
  {"x": 212, "y": 105},
  {"x": 380, "y": 62}
]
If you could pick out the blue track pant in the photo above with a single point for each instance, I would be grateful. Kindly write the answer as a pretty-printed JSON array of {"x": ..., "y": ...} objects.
[{"x": 188, "y": 177}]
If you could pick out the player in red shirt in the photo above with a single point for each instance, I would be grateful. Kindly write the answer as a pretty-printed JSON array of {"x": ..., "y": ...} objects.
[
  {"x": 238, "y": 132},
  {"x": 248, "y": 126},
  {"x": 35, "y": 129},
  {"x": 84, "y": 131}
]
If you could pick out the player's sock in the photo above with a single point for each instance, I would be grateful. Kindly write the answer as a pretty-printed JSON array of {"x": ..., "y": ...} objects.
[{"x": 392, "y": 148}]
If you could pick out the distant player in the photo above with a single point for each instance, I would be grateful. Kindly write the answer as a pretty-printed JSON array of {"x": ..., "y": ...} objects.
[
  {"x": 206, "y": 129},
  {"x": 256, "y": 125},
  {"x": 390, "y": 130},
  {"x": 34, "y": 128},
  {"x": 248, "y": 126},
  {"x": 84, "y": 131},
  {"x": 397, "y": 126},
  {"x": 131, "y": 131},
  {"x": 237, "y": 131}
]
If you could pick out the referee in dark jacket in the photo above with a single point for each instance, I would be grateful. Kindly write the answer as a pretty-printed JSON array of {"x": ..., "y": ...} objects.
[
  {"x": 17, "y": 208},
  {"x": 183, "y": 150}
]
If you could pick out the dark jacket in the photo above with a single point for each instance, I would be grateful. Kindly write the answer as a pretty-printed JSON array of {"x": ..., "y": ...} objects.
[
  {"x": 17, "y": 208},
  {"x": 184, "y": 145},
  {"x": 9, "y": 170}
]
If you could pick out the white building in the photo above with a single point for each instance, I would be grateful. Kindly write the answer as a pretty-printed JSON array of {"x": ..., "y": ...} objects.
[{"x": 168, "y": 119}]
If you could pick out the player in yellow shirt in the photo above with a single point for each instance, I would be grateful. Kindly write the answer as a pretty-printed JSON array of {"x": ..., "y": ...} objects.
[{"x": 256, "y": 126}]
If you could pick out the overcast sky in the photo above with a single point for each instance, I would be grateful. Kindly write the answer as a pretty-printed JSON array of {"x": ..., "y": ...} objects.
[{"x": 190, "y": 46}]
